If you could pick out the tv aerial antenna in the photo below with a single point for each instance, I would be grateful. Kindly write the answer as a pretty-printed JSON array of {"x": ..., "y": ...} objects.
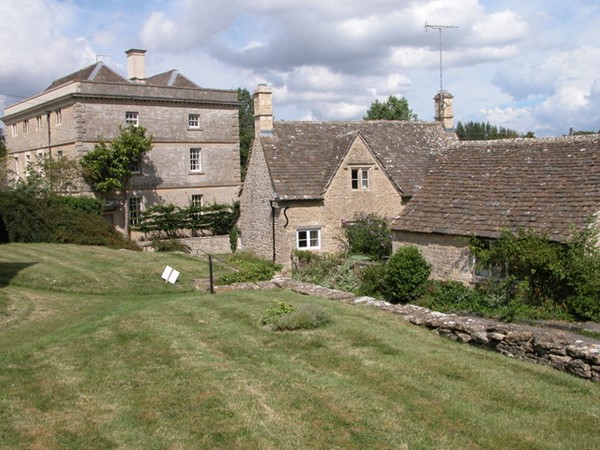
[{"x": 440, "y": 28}]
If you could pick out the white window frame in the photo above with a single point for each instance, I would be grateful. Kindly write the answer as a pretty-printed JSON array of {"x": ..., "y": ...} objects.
[
  {"x": 195, "y": 159},
  {"x": 359, "y": 178},
  {"x": 15, "y": 130},
  {"x": 38, "y": 123},
  {"x": 194, "y": 121},
  {"x": 135, "y": 207},
  {"x": 308, "y": 238},
  {"x": 58, "y": 118},
  {"x": 197, "y": 200},
  {"x": 132, "y": 118}
]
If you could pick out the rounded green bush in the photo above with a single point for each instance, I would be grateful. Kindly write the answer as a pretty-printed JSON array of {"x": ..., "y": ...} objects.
[{"x": 406, "y": 275}]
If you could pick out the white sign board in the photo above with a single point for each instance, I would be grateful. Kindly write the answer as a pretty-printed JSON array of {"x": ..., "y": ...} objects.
[{"x": 170, "y": 275}]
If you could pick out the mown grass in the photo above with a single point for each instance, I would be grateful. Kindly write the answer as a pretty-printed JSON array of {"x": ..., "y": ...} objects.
[{"x": 122, "y": 360}]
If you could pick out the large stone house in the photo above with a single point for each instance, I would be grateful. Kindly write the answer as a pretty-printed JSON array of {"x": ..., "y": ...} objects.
[
  {"x": 547, "y": 185},
  {"x": 195, "y": 131},
  {"x": 306, "y": 179}
]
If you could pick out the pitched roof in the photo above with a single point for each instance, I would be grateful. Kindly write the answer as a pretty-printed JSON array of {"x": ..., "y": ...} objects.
[
  {"x": 303, "y": 156},
  {"x": 483, "y": 187},
  {"x": 96, "y": 72},
  {"x": 172, "y": 78}
]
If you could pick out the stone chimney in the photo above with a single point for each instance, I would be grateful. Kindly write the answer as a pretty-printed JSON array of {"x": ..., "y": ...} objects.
[
  {"x": 136, "y": 62},
  {"x": 263, "y": 111},
  {"x": 443, "y": 109}
]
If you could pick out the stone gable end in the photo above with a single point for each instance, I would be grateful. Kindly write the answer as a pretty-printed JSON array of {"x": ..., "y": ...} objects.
[{"x": 342, "y": 200}]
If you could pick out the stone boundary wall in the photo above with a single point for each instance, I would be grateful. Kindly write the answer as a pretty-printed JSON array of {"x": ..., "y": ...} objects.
[
  {"x": 574, "y": 354},
  {"x": 214, "y": 245}
]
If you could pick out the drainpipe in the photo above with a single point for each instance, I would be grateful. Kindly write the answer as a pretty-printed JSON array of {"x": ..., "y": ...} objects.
[
  {"x": 49, "y": 134},
  {"x": 273, "y": 228}
]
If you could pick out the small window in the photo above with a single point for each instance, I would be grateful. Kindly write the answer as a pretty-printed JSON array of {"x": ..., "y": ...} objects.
[
  {"x": 38, "y": 123},
  {"x": 17, "y": 166},
  {"x": 131, "y": 118},
  {"x": 135, "y": 207},
  {"x": 136, "y": 166},
  {"x": 60, "y": 153},
  {"x": 197, "y": 200},
  {"x": 308, "y": 239},
  {"x": 15, "y": 130},
  {"x": 58, "y": 117},
  {"x": 195, "y": 160},
  {"x": 194, "y": 120},
  {"x": 26, "y": 126},
  {"x": 360, "y": 179}
]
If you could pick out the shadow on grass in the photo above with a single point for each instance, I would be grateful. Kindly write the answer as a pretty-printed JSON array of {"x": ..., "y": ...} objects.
[{"x": 9, "y": 270}]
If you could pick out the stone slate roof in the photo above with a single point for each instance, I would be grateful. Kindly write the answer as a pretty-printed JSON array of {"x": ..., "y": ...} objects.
[
  {"x": 481, "y": 188},
  {"x": 303, "y": 156},
  {"x": 172, "y": 78},
  {"x": 100, "y": 73},
  {"x": 96, "y": 72}
]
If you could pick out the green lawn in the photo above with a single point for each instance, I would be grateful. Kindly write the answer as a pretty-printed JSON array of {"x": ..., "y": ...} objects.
[{"x": 96, "y": 351}]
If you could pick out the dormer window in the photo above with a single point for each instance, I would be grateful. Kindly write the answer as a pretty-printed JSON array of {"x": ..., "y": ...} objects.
[{"x": 360, "y": 179}]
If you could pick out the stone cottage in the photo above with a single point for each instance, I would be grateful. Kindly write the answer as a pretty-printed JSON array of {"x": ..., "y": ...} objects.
[
  {"x": 306, "y": 179},
  {"x": 195, "y": 154},
  {"x": 480, "y": 188}
]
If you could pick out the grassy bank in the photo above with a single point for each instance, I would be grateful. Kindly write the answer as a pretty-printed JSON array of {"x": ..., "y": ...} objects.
[{"x": 97, "y": 352}]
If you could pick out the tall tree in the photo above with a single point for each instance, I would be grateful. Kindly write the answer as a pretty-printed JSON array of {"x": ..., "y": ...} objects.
[
  {"x": 3, "y": 150},
  {"x": 246, "y": 117},
  {"x": 109, "y": 167},
  {"x": 481, "y": 131},
  {"x": 393, "y": 108}
]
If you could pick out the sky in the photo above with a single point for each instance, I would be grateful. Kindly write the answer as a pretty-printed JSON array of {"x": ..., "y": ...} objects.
[{"x": 527, "y": 65}]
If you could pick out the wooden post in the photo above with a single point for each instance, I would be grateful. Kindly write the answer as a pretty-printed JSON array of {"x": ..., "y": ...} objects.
[{"x": 210, "y": 271}]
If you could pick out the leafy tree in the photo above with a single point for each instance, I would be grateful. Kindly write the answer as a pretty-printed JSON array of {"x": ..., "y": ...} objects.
[
  {"x": 3, "y": 150},
  {"x": 393, "y": 109},
  {"x": 246, "y": 117},
  {"x": 46, "y": 174},
  {"x": 479, "y": 131},
  {"x": 109, "y": 167}
]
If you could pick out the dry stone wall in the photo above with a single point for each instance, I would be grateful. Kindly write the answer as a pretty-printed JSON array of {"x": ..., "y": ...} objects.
[{"x": 569, "y": 353}]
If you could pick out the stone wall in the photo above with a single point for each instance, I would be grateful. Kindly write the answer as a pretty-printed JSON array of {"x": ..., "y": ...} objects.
[
  {"x": 214, "y": 245},
  {"x": 449, "y": 256},
  {"x": 574, "y": 354},
  {"x": 255, "y": 221}
]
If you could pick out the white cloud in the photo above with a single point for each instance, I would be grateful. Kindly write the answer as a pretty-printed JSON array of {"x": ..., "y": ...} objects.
[{"x": 34, "y": 49}]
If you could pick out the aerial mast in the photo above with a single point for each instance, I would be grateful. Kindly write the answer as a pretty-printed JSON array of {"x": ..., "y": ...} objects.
[{"x": 440, "y": 28}]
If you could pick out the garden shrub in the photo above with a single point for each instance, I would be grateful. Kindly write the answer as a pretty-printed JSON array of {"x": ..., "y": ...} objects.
[
  {"x": 328, "y": 270},
  {"x": 286, "y": 317},
  {"x": 556, "y": 278},
  {"x": 169, "y": 245},
  {"x": 250, "y": 268},
  {"x": 406, "y": 275},
  {"x": 233, "y": 238},
  {"x": 40, "y": 217},
  {"x": 372, "y": 281},
  {"x": 369, "y": 234}
]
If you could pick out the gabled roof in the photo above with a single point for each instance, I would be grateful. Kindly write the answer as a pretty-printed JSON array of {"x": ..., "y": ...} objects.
[
  {"x": 172, "y": 78},
  {"x": 96, "y": 72},
  {"x": 303, "y": 156},
  {"x": 481, "y": 188}
]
